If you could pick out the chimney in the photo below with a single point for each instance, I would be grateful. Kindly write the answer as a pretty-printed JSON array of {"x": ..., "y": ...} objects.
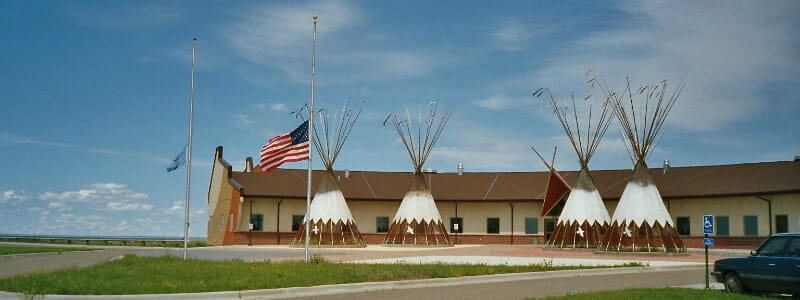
[{"x": 248, "y": 165}]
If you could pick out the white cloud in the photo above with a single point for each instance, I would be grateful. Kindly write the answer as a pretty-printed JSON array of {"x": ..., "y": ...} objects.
[
  {"x": 141, "y": 16},
  {"x": 514, "y": 35},
  {"x": 12, "y": 196},
  {"x": 279, "y": 106},
  {"x": 128, "y": 206},
  {"x": 502, "y": 102},
  {"x": 730, "y": 50},
  {"x": 107, "y": 196},
  {"x": 280, "y": 37},
  {"x": 242, "y": 120}
]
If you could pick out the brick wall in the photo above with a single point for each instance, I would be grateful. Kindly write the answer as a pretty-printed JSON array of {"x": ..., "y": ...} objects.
[{"x": 271, "y": 238}]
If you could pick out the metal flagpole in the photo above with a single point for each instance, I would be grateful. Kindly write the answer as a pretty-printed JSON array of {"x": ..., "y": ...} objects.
[
  {"x": 311, "y": 131},
  {"x": 189, "y": 160}
]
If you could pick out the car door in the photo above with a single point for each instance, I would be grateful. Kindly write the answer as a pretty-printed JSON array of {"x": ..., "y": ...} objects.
[
  {"x": 762, "y": 272},
  {"x": 789, "y": 268}
]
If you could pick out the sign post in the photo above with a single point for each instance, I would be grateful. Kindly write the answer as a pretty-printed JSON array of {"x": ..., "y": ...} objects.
[{"x": 708, "y": 228}]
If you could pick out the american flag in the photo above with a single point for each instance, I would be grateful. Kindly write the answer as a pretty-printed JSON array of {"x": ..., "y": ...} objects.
[{"x": 289, "y": 147}]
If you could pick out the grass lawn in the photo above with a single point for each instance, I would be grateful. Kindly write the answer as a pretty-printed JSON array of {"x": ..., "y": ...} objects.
[
  {"x": 157, "y": 275},
  {"x": 6, "y": 250},
  {"x": 659, "y": 294}
]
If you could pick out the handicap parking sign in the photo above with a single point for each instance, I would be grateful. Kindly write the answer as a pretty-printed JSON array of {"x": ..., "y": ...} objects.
[{"x": 708, "y": 224}]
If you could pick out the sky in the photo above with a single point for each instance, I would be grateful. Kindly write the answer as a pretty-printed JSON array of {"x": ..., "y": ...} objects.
[{"x": 95, "y": 94}]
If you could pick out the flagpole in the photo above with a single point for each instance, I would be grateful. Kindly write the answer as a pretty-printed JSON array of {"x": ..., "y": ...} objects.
[
  {"x": 189, "y": 160},
  {"x": 311, "y": 131}
]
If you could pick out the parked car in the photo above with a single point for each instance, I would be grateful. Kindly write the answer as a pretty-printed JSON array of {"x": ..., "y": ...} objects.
[{"x": 773, "y": 268}]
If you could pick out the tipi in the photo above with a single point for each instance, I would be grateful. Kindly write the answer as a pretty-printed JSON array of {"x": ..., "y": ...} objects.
[
  {"x": 641, "y": 222},
  {"x": 417, "y": 221},
  {"x": 332, "y": 224},
  {"x": 584, "y": 218}
]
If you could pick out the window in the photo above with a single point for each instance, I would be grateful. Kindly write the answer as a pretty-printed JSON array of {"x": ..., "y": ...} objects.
[
  {"x": 297, "y": 220},
  {"x": 456, "y": 225},
  {"x": 781, "y": 223},
  {"x": 258, "y": 222},
  {"x": 751, "y": 225},
  {"x": 683, "y": 225},
  {"x": 492, "y": 225},
  {"x": 723, "y": 225},
  {"x": 531, "y": 225},
  {"x": 773, "y": 247},
  {"x": 381, "y": 224}
]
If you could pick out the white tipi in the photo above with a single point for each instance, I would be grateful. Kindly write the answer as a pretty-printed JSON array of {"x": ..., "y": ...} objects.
[
  {"x": 417, "y": 221},
  {"x": 332, "y": 224},
  {"x": 584, "y": 218},
  {"x": 641, "y": 222}
]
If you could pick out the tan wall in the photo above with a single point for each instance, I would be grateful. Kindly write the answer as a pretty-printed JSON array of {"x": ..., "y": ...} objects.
[
  {"x": 476, "y": 213},
  {"x": 218, "y": 204},
  {"x": 269, "y": 208},
  {"x": 365, "y": 213},
  {"x": 736, "y": 208}
]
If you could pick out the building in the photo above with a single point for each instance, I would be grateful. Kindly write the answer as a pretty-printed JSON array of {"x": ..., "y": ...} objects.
[{"x": 749, "y": 202}]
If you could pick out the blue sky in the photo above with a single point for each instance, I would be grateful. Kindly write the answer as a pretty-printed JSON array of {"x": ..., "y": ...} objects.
[{"x": 95, "y": 93}]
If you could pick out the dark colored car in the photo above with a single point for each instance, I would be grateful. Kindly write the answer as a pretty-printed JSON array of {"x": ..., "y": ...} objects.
[{"x": 773, "y": 268}]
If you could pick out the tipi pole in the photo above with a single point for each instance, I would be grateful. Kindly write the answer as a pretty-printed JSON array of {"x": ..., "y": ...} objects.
[
  {"x": 189, "y": 160},
  {"x": 311, "y": 131}
]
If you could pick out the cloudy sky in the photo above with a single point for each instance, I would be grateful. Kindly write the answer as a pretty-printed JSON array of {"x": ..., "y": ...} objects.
[{"x": 95, "y": 94}]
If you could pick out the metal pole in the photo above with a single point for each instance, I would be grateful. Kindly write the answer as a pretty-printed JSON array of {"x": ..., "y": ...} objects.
[
  {"x": 311, "y": 131},
  {"x": 706, "y": 246},
  {"x": 189, "y": 160}
]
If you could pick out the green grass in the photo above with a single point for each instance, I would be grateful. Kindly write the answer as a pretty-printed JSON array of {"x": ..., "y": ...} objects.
[
  {"x": 157, "y": 275},
  {"x": 5, "y": 250},
  {"x": 658, "y": 294}
]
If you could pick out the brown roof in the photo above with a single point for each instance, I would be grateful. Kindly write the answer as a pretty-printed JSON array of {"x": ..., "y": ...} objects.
[{"x": 680, "y": 182}]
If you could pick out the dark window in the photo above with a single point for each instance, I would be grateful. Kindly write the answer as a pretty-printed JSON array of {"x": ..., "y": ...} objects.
[
  {"x": 683, "y": 225},
  {"x": 531, "y": 225},
  {"x": 381, "y": 224},
  {"x": 258, "y": 222},
  {"x": 549, "y": 227},
  {"x": 492, "y": 225},
  {"x": 750, "y": 225},
  {"x": 781, "y": 223},
  {"x": 773, "y": 247},
  {"x": 723, "y": 225},
  {"x": 456, "y": 222},
  {"x": 297, "y": 221}
]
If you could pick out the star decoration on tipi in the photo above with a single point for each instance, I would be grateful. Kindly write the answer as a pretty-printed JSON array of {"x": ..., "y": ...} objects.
[
  {"x": 315, "y": 230},
  {"x": 627, "y": 232},
  {"x": 410, "y": 230},
  {"x": 580, "y": 231}
]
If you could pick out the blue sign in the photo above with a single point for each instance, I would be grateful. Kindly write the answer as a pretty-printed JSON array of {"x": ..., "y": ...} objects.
[
  {"x": 708, "y": 241},
  {"x": 708, "y": 224}
]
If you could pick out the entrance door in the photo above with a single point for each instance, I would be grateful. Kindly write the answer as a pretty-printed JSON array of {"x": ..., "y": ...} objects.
[{"x": 549, "y": 227}]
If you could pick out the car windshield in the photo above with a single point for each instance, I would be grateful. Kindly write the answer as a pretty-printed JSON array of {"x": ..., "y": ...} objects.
[{"x": 773, "y": 247}]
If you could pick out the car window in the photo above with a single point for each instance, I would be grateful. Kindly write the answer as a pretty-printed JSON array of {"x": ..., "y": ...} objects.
[
  {"x": 794, "y": 248},
  {"x": 773, "y": 247}
]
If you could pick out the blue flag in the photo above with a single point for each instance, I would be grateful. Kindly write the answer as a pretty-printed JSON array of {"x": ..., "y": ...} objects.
[{"x": 179, "y": 160}]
